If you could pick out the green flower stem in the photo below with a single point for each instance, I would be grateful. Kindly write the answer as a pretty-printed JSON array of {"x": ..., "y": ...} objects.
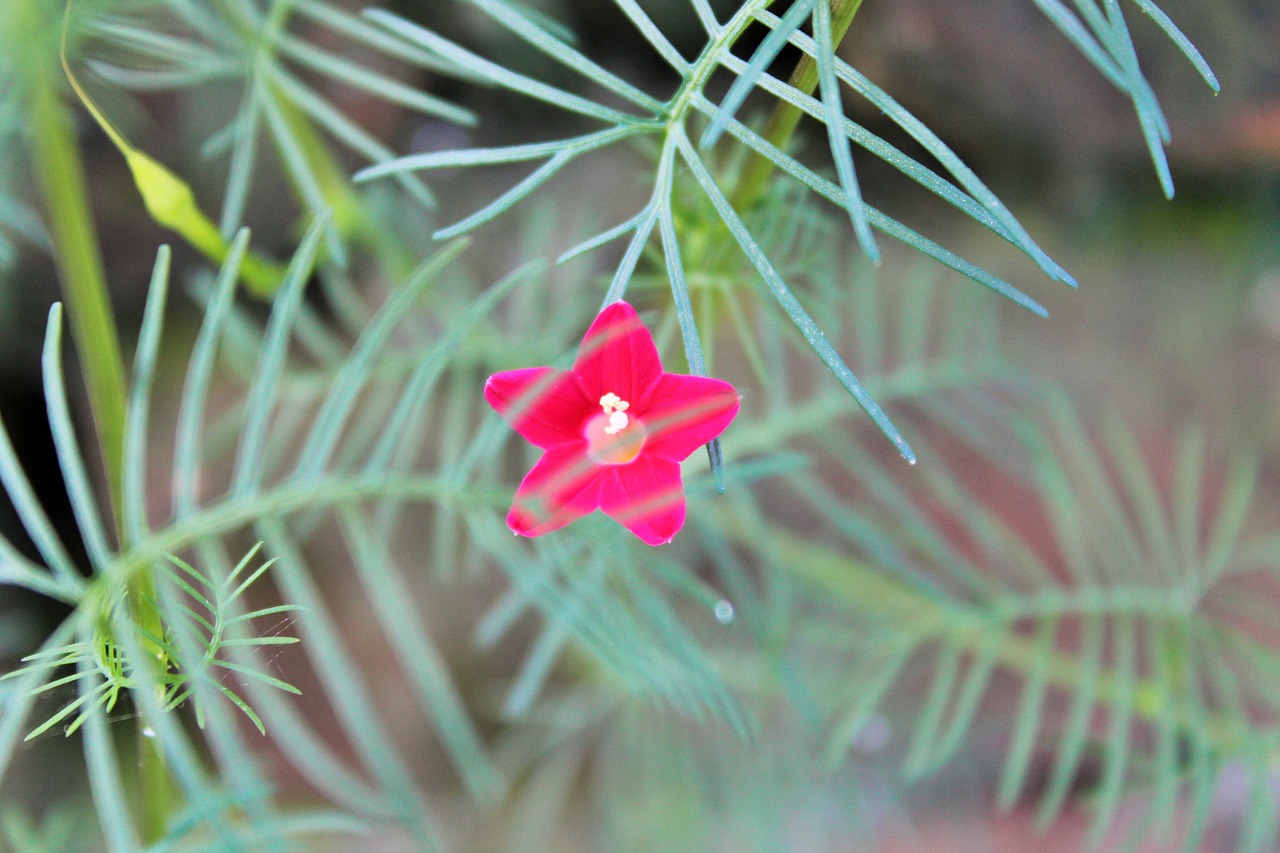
[
  {"x": 154, "y": 783},
  {"x": 60, "y": 174},
  {"x": 786, "y": 116},
  {"x": 335, "y": 187}
]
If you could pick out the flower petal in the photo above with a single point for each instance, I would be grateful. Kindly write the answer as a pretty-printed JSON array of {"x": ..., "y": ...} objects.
[
  {"x": 544, "y": 405},
  {"x": 563, "y": 486},
  {"x": 618, "y": 356},
  {"x": 685, "y": 412},
  {"x": 646, "y": 497}
]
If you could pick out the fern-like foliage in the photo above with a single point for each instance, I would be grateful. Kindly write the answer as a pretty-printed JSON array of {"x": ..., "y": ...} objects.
[
  {"x": 1100, "y": 32},
  {"x": 281, "y": 57},
  {"x": 827, "y": 585},
  {"x": 325, "y": 435},
  {"x": 716, "y": 627},
  {"x": 1129, "y": 609},
  {"x": 1102, "y": 622},
  {"x": 671, "y": 123},
  {"x": 195, "y": 641},
  {"x": 797, "y": 601},
  {"x": 26, "y": 33},
  {"x": 205, "y": 618}
]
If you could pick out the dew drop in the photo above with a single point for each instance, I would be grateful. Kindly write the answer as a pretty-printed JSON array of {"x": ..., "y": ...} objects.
[
  {"x": 147, "y": 731},
  {"x": 723, "y": 612}
]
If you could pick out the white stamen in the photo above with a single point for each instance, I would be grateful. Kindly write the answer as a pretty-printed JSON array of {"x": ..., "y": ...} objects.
[
  {"x": 612, "y": 402},
  {"x": 615, "y": 407},
  {"x": 617, "y": 423}
]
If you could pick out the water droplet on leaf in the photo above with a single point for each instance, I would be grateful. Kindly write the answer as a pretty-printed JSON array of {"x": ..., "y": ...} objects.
[{"x": 723, "y": 612}]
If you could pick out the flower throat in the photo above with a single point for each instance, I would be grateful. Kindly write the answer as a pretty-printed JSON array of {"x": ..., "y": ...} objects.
[{"x": 613, "y": 436}]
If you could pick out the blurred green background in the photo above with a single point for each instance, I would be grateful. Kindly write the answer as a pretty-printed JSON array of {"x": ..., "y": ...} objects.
[{"x": 1176, "y": 322}]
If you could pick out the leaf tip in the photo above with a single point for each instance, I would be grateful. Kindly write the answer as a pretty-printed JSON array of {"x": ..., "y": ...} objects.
[
  {"x": 712, "y": 134},
  {"x": 905, "y": 449}
]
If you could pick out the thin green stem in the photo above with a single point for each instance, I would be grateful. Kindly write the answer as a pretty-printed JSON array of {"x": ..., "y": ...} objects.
[
  {"x": 786, "y": 116},
  {"x": 60, "y": 173},
  {"x": 677, "y": 109},
  {"x": 61, "y": 176},
  {"x": 154, "y": 783}
]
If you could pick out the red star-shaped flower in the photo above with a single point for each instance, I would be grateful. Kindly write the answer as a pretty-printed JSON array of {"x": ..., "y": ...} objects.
[{"x": 615, "y": 429}]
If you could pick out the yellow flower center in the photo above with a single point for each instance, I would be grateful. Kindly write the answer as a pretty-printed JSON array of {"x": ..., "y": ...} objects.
[{"x": 614, "y": 438}]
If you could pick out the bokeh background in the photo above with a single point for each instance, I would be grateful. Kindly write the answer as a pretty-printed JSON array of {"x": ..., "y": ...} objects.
[{"x": 1176, "y": 322}]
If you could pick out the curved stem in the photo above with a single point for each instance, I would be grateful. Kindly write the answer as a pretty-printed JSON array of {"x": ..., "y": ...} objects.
[
  {"x": 60, "y": 173},
  {"x": 61, "y": 176},
  {"x": 786, "y": 116}
]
